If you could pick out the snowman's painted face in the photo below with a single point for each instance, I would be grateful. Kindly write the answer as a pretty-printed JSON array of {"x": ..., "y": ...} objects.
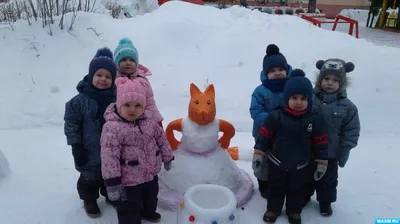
[{"x": 202, "y": 109}]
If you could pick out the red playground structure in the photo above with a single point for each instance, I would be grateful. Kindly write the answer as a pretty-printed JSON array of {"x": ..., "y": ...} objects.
[
  {"x": 197, "y": 2},
  {"x": 317, "y": 21}
]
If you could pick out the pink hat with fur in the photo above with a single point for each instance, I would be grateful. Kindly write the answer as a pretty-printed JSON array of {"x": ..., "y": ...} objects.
[{"x": 130, "y": 91}]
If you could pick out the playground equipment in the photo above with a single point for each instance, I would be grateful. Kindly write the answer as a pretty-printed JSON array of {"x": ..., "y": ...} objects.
[
  {"x": 319, "y": 19},
  {"x": 197, "y": 2}
]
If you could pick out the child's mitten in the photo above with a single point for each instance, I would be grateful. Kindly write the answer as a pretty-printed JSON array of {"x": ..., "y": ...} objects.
[
  {"x": 344, "y": 157},
  {"x": 80, "y": 155},
  {"x": 258, "y": 157},
  {"x": 116, "y": 193},
  {"x": 322, "y": 165},
  {"x": 168, "y": 166}
]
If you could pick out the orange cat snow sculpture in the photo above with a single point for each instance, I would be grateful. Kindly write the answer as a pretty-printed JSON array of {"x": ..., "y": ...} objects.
[
  {"x": 201, "y": 157},
  {"x": 202, "y": 111}
]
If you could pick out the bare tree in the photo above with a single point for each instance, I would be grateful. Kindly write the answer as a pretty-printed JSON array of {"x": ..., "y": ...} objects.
[
  {"x": 381, "y": 19},
  {"x": 18, "y": 9},
  {"x": 312, "y": 5},
  {"x": 9, "y": 14},
  {"x": 74, "y": 14},
  {"x": 64, "y": 10},
  {"x": 45, "y": 10},
  {"x": 28, "y": 14},
  {"x": 33, "y": 9}
]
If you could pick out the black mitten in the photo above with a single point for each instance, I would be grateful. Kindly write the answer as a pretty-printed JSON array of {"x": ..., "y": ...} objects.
[{"x": 80, "y": 154}]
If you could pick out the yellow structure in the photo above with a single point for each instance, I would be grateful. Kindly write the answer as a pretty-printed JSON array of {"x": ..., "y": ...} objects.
[{"x": 392, "y": 18}]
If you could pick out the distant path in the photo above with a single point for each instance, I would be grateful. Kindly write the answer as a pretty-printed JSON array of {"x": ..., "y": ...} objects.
[{"x": 378, "y": 37}]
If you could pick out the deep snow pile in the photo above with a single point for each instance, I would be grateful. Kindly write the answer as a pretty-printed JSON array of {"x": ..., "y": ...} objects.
[
  {"x": 4, "y": 166},
  {"x": 225, "y": 48}
]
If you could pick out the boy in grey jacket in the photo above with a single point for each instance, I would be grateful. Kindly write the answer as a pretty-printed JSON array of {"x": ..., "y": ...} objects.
[{"x": 330, "y": 99}]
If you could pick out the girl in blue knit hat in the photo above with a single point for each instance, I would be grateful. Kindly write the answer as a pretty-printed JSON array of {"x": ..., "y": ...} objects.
[
  {"x": 330, "y": 100},
  {"x": 265, "y": 98},
  {"x": 284, "y": 141},
  {"x": 126, "y": 57},
  {"x": 83, "y": 124}
]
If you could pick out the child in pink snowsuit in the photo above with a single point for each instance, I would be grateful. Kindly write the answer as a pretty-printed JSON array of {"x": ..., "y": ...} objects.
[
  {"x": 126, "y": 57},
  {"x": 133, "y": 147}
]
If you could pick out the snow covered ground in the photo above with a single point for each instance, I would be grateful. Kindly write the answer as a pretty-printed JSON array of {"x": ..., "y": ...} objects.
[
  {"x": 183, "y": 43},
  {"x": 378, "y": 37}
]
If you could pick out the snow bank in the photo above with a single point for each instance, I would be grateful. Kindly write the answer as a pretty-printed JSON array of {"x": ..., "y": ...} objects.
[
  {"x": 182, "y": 43},
  {"x": 4, "y": 166}
]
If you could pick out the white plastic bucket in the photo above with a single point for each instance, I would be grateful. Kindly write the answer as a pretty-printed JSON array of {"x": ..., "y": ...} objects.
[{"x": 208, "y": 204}]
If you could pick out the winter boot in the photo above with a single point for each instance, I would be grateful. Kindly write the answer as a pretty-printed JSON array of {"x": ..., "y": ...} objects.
[
  {"x": 270, "y": 216},
  {"x": 91, "y": 209},
  {"x": 325, "y": 209},
  {"x": 294, "y": 218},
  {"x": 155, "y": 217}
]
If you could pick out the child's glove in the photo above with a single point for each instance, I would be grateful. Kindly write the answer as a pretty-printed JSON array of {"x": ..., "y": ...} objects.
[
  {"x": 258, "y": 157},
  {"x": 344, "y": 157},
  {"x": 322, "y": 165},
  {"x": 168, "y": 166},
  {"x": 116, "y": 193},
  {"x": 80, "y": 155}
]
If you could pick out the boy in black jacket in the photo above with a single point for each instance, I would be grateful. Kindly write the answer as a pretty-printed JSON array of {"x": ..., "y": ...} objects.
[{"x": 287, "y": 138}]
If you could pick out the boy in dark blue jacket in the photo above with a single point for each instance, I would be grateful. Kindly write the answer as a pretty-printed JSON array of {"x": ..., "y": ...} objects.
[
  {"x": 287, "y": 138},
  {"x": 83, "y": 123},
  {"x": 265, "y": 98}
]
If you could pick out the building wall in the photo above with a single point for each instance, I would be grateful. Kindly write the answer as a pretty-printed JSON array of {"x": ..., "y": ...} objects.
[
  {"x": 333, "y": 7},
  {"x": 344, "y": 2}
]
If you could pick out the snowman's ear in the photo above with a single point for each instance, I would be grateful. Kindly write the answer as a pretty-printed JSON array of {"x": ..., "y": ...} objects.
[{"x": 194, "y": 90}]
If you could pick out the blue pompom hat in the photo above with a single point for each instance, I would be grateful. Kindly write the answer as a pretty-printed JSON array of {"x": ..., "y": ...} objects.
[
  {"x": 102, "y": 59},
  {"x": 124, "y": 49},
  {"x": 299, "y": 84},
  {"x": 274, "y": 59}
]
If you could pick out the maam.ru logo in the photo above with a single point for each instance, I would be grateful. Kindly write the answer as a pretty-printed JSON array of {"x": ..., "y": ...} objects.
[{"x": 387, "y": 220}]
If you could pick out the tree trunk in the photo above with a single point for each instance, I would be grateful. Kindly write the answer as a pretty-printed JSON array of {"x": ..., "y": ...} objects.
[
  {"x": 381, "y": 18},
  {"x": 312, "y": 5}
]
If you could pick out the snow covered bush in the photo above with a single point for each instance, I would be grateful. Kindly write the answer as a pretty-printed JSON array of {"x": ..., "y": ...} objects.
[
  {"x": 133, "y": 8},
  {"x": 278, "y": 11},
  {"x": 114, "y": 8},
  {"x": 289, "y": 11},
  {"x": 267, "y": 10}
]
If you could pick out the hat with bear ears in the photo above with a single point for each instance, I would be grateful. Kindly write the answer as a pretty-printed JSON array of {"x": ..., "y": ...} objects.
[
  {"x": 336, "y": 67},
  {"x": 274, "y": 59}
]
